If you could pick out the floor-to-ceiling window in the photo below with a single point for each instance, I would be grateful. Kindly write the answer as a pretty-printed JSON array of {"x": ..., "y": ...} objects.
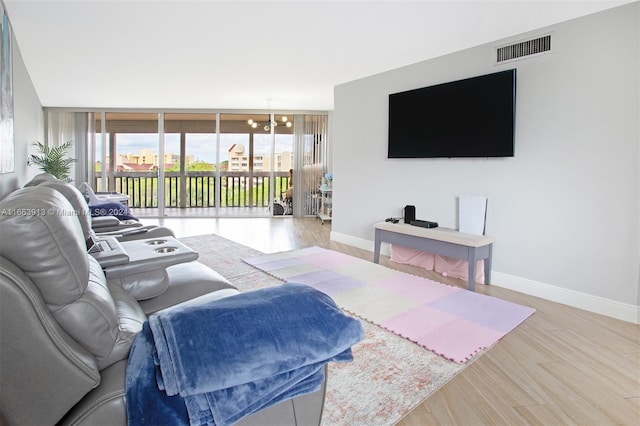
[
  {"x": 256, "y": 154},
  {"x": 208, "y": 164},
  {"x": 238, "y": 189},
  {"x": 127, "y": 158},
  {"x": 191, "y": 163}
]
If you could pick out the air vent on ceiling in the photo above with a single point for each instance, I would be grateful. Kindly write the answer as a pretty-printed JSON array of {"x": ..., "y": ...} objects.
[{"x": 523, "y": 49}]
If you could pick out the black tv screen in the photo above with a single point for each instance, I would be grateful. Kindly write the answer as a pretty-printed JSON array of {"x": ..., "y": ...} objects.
[{"x": 474, "y": 117}]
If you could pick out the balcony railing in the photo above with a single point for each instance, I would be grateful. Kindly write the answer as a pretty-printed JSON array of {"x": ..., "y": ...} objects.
[{"x": 197, "y": 189}]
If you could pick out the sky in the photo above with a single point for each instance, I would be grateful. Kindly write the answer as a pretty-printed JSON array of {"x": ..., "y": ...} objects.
[{"x": 201, "y": 146}]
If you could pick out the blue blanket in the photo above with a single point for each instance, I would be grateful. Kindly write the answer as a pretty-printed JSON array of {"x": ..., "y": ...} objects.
[{"x": 220, "y": 362}]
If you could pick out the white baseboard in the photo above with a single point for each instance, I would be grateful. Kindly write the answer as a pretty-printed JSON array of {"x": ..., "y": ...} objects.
[
  {"x": 588, "y": 302},
  {"x": 360, "y": 243}
]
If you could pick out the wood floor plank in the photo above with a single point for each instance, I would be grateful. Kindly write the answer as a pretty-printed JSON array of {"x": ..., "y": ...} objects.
[
  {"x": 562, "y": 366},
  {"x": 604, "y": 363},
  {"x": 518, "y": 388},
  {"x": 603, "y": 400},
  {"x": 543, "y": 415}
]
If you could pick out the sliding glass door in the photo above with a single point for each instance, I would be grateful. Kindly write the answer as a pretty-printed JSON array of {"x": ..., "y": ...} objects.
[
  {"x": 209, "y": 164},
  {"x": 190, "y": 167},
  {"x": 127, "y": 157},
  {"x": 256, "y": 156}
]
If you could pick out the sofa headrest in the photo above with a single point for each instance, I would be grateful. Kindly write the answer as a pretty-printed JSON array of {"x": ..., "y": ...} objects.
[
  {"x": 39, "y": 178},
  {"x": 77, "y": 201},
  {"x": 42, "y": 235}
]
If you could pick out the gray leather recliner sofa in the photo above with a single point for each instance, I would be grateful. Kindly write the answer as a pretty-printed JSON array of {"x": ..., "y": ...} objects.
[
  {"x": 102, "y": 226},
  {"x": 66, "y": 328}
]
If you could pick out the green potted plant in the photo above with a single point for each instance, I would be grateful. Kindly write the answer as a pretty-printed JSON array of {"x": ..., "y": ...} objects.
[{"x": 53, "y": 160}]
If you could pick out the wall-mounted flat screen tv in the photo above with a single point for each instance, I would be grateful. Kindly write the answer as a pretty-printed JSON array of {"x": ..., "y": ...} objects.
[{"x": 474, "y": 117}]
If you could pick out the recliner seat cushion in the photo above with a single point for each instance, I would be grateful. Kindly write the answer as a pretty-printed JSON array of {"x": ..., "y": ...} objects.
[{"x": 186, "y": 281}]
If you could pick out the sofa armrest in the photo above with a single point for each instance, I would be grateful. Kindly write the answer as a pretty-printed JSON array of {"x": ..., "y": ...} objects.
[
  {"x": 111, "y": 254},
  {"x": 145, "y": 274},
  {"x": 150, "y": 255},
  {"x": 98, "y": 222}
]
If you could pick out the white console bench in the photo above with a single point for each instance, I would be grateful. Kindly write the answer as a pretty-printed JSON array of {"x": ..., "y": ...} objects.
[{"x": 444, "y": 241}]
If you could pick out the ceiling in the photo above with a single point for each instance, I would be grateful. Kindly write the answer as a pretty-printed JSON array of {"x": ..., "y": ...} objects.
[{"x": 211, "y": 54}]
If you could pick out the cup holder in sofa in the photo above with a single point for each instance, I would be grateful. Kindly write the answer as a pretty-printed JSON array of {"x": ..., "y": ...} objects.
[
  {"x": 166, "y": 249},
  {"x": 155, "y": 242}
]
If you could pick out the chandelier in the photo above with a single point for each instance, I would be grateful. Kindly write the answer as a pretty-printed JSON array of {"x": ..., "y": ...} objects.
[{"x": 272, "y": 123}]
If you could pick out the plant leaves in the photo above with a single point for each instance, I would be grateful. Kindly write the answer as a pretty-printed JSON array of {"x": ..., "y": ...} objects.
[{"x": 53, "y": 160}]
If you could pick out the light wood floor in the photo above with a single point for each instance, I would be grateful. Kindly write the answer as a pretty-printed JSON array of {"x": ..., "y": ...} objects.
[{"x": 561, "y": 366}]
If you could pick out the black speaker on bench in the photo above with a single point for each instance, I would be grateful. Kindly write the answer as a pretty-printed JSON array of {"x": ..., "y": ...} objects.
[{"x": 409, "y": 214}]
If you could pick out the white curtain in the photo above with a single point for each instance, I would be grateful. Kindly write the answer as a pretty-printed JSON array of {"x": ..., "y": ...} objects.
[
  {"x": 311, "y": 138},
  {"x": 63, "y": 126}
]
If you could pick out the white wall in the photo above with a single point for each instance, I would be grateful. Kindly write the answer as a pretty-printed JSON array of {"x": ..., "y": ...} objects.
[
  {"x": 565, "y": 210},
  {"x": 28, "y": 124}
]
